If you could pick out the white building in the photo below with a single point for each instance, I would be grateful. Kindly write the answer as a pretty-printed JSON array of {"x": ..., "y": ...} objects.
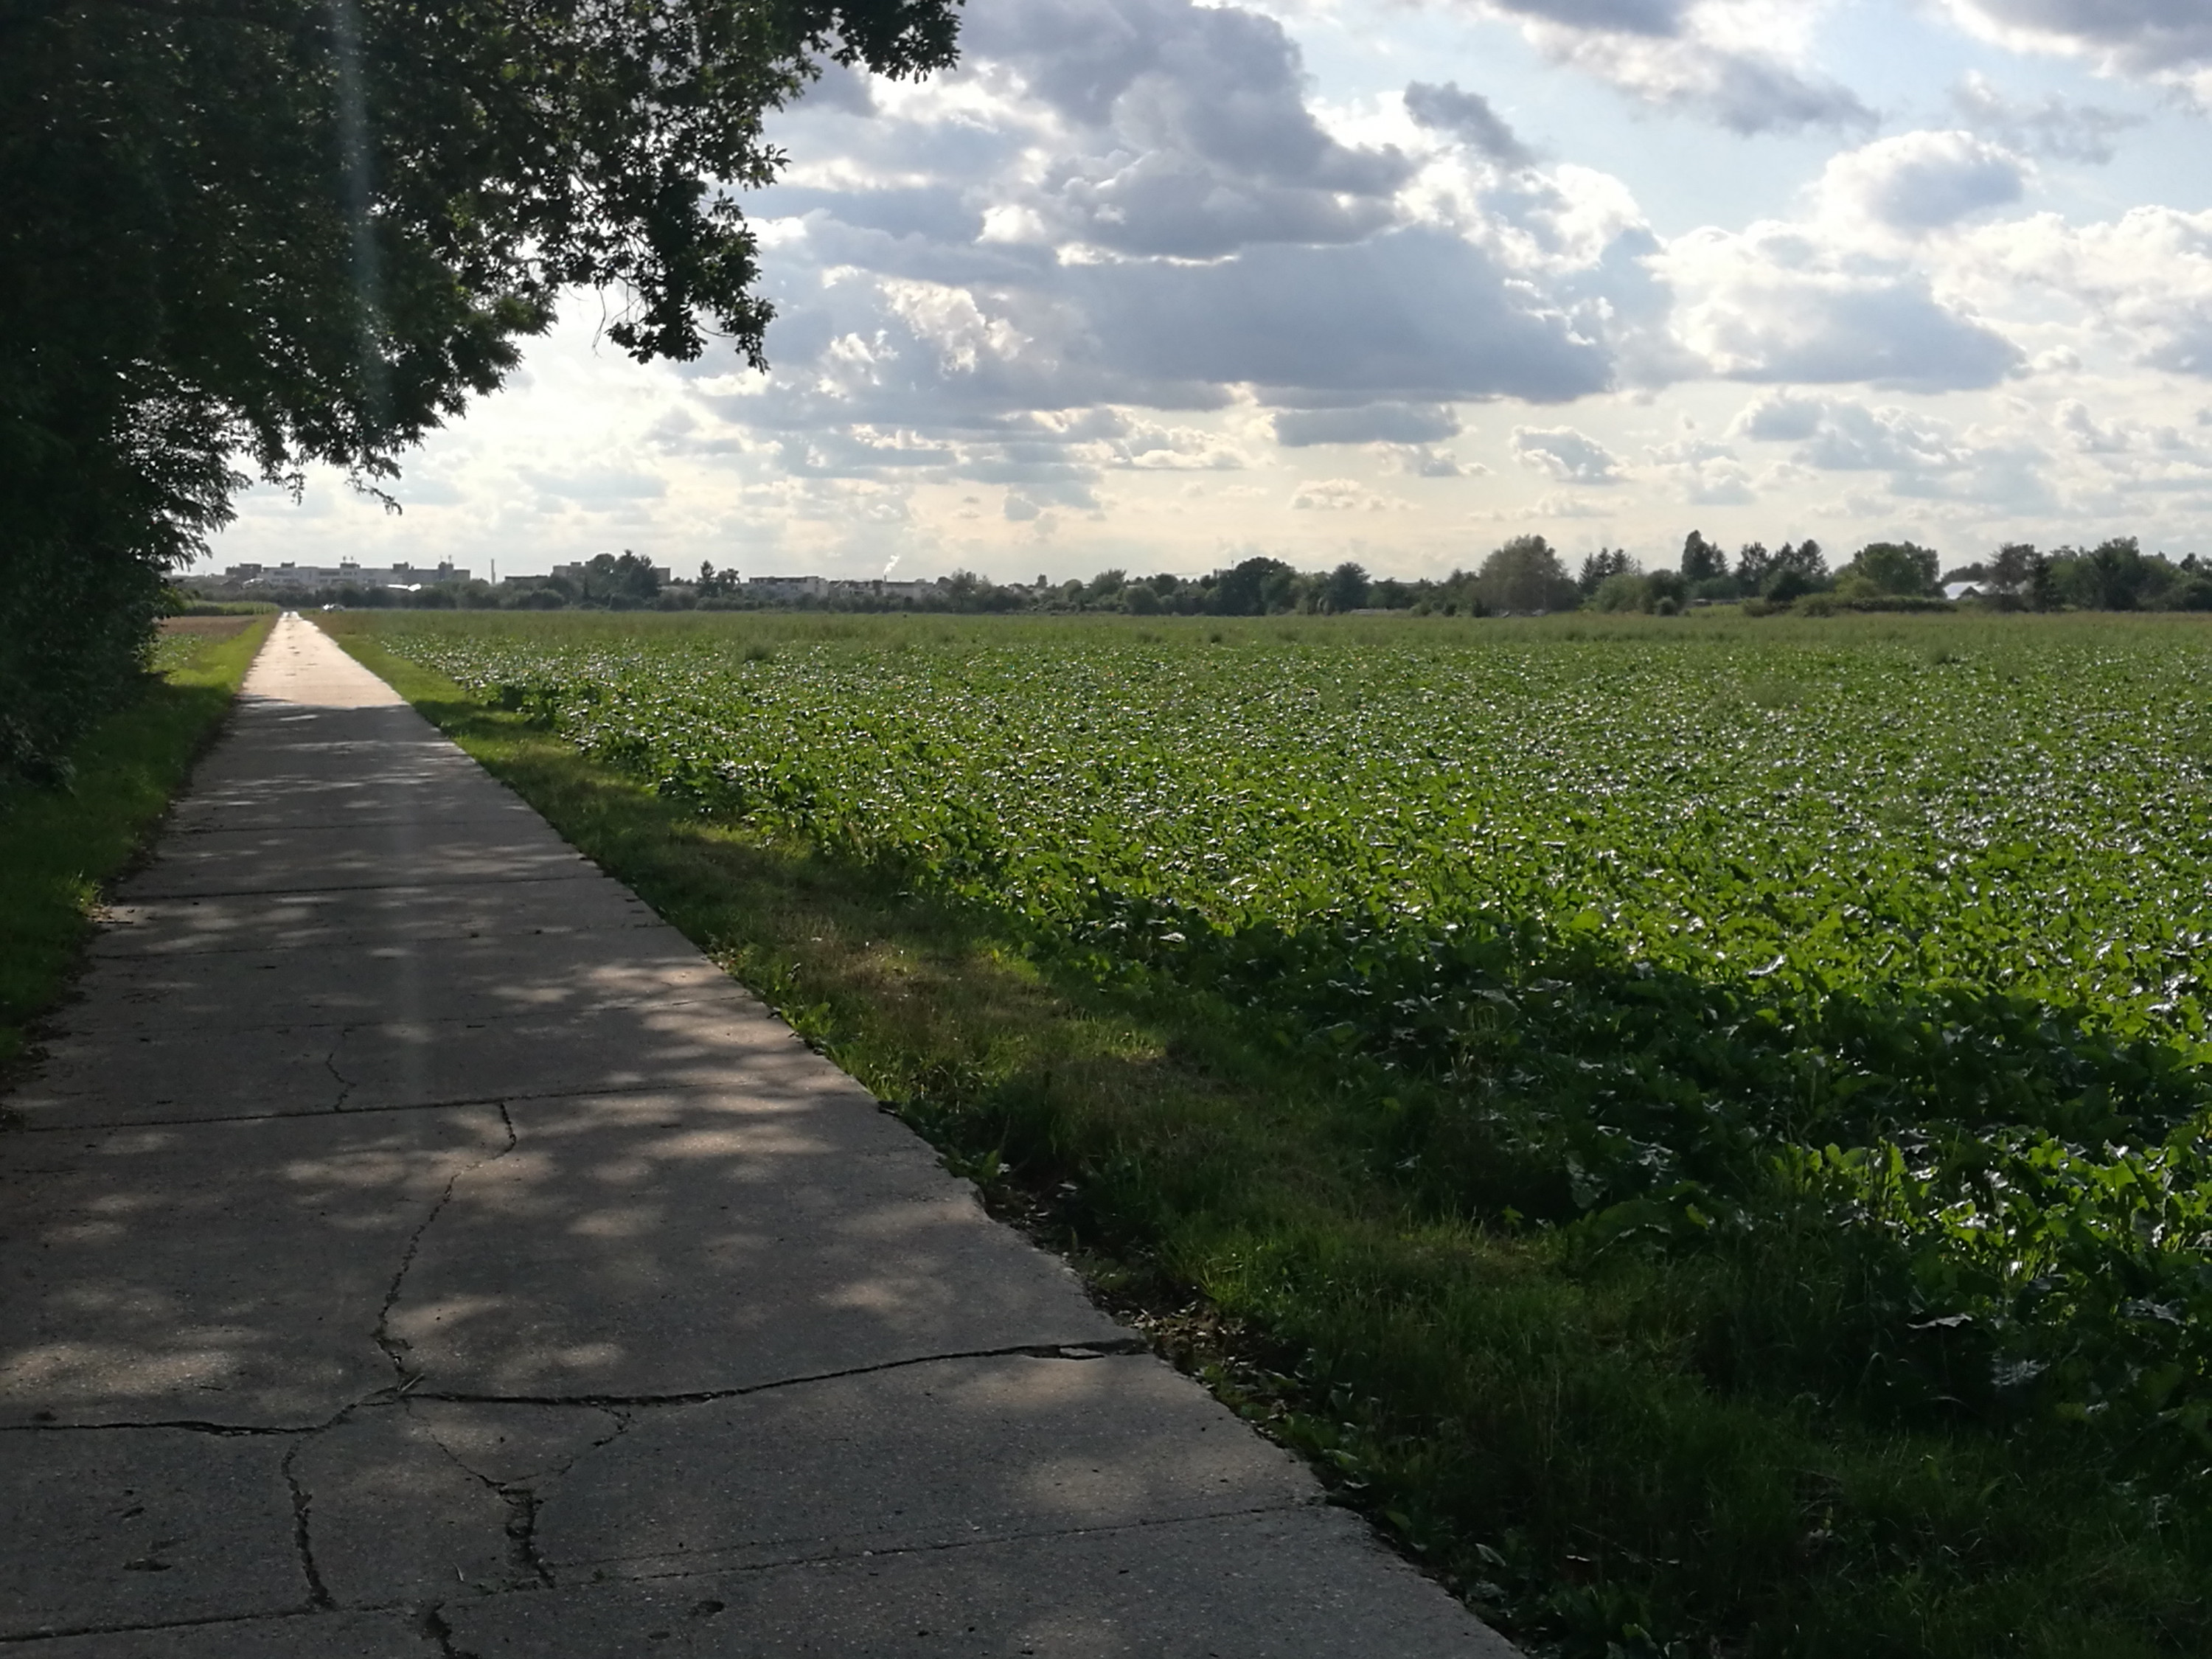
[
  {"x": 345, "y": 573},
  {"x": 772, "y": 588}
]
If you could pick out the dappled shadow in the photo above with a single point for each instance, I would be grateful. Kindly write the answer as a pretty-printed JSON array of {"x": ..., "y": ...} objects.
[
  {"x": 402, "y": 1214},
  {"x": 274, "y": 1076}
]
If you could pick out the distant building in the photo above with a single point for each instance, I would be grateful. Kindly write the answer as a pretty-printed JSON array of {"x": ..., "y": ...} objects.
[
  {"x": 902, "y": 590},
  {"x": 346, "y": 574},
  {"x": 576, "y": 572},
  {"x": 877, "y": 588},
  {"x": 1964, "y": 590},
  {"x": 772, "y": 588}
]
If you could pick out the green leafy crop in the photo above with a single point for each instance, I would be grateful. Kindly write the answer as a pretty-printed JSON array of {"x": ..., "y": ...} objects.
[{"x": 1690, "y": 941}]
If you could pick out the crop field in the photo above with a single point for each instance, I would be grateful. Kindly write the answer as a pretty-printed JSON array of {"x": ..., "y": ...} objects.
[{"x": 1814, "y": 1012}]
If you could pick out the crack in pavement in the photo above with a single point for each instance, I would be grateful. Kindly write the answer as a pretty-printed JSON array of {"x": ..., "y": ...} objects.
[
  {"x": 188, "y": 1424},
  {"x": 345, "y": 1084},
  {"x": 395, "y": 1348},
  {"x": 432, "y": 1614},
  {"x": 319, "y": 1594},
  {"x": 522, "y": 1495},
  {"x": 1070, "y": 1351},
  {"x": 522, "y": 1531},
  {"x": 433, "y": 1626}
]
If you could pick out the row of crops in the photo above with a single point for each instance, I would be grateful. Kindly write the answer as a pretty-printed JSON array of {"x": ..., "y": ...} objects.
[
  {"x": 1920, "y": 929},
  {"x": 1897, "y": 932}
]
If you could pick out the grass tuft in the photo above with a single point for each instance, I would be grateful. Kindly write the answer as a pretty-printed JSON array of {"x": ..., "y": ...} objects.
[{"x": 61, "y": 846}]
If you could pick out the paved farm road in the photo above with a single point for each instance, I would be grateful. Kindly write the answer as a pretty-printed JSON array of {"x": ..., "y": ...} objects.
[{"x": 411, "y": 1246}]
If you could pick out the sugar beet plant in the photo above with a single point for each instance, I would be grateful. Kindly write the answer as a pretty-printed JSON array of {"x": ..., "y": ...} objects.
[{"x": 1693, "y": 943}]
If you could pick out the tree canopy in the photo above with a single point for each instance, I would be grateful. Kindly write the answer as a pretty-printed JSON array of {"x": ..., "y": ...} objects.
[
  {"x": 1525, "y": 575},
  {"x": 1902, "y": 567},
  {"x": 279, "y": 232}
]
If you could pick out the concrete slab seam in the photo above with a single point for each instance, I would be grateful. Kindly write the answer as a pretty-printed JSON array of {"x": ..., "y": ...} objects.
[
  {"x": 205, "y": 1622},
  {"x": 589, "y": 1091},
  {"x": 709, "y": 1568},
  {"x": 590, "y": 872}
]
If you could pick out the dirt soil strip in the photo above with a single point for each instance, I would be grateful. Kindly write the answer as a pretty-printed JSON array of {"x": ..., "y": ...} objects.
[{"x": 413, "y": 1245}]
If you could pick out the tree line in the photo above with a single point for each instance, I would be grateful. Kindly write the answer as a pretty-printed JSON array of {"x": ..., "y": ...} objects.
[{"x": 1525, "y": 576}]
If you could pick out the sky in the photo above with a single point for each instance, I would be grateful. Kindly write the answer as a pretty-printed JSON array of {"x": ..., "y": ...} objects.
[{"x": 1158, "y": 285}]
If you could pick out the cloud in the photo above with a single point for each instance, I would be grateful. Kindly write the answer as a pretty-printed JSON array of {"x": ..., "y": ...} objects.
[
  {"x": 2146, "y": 278},
  {"x": 1653, "y": 17},
  {"x": 1729, "y": 62},
  {"x": 1564, "y": 453},
  {"x": 1922, "y": 181},
  {"x": 1117, "y": 206},
  {"x": 1706, "y": 474},
  {"x": 1467, "y": 117},
  {"x": 1557, "y": 506},
  {"x": 1839, "y": 435},
  {"x": 1214, "y": 147},
  {"x": 1408, "y": 313},
  {"x": 1420, "y": 461},
  {"x": 2165, "y": 40},
  {"x": 1398, "y": 424},
  {"x": 1926, "y": 459},
  {"x": 1778, "y": 303},
  {"x": 1779, "y": 418},
  {"x": 591, "y": 485},
  {"x": 2051, "y": 126},
  {"x": 2086, "y": 436},
  {"x": 1341, "y": 495}
]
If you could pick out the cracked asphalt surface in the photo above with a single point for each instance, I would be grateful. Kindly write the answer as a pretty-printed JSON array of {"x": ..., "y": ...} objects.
[{"x": 411, "y": 1246}]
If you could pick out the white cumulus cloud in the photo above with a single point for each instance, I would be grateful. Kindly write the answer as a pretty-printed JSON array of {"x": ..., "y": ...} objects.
[
  {"x": 1923, "y": 182},
  {"x": 1565, "y": 454}
]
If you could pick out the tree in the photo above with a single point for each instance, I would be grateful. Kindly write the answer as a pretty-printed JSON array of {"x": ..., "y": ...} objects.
[
  {"x": 1601, "y": 566},
  {"x": 1702, "y": 561},
  {"x": 620, "y": 583},
  {"x": 1526, "y": 574},
  {"x": 1346, "y": 589},
  {"x": 2013, "y": 570},
  {"x": 280, "y": 232},
  {"x": 1665, "y": 593},
  {"x": 1252, "y": 587},
  {"x": 1896, "y": 568},
  {"x": 2120, "y": 578},
  {"x": 1623, "y": 590},
  {"x": 1753, "y": 563},
  {"x": 1796, "y": 570}
]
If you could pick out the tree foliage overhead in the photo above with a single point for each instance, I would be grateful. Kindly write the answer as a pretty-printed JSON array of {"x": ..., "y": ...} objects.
[{"x": 290, "y": 231}]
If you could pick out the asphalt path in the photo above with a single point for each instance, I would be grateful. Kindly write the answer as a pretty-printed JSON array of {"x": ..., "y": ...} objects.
[{"x": 410, "y": 1245}]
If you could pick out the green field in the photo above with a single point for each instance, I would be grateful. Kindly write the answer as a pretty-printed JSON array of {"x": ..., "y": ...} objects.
[{"x": 1700, "y": 1126}]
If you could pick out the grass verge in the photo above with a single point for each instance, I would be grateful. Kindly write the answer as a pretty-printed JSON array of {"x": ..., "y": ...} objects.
[
  {"x": 1533, "y": 1418},
  {"x": 60, "y": 848}
]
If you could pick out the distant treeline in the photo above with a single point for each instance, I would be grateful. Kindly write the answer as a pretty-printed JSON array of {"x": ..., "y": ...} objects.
[{"x": 1524, "y": 576}]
